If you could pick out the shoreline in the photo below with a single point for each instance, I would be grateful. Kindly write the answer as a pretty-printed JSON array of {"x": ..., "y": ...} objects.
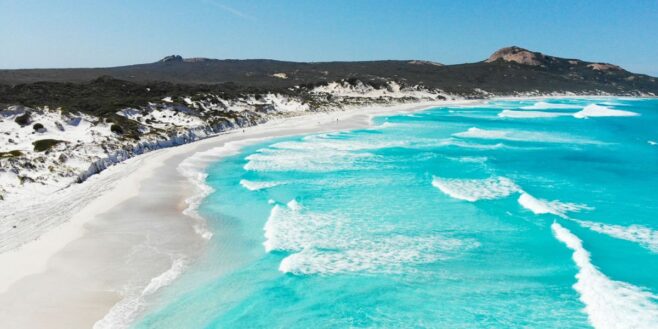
[{"x": 91, "y": 241}]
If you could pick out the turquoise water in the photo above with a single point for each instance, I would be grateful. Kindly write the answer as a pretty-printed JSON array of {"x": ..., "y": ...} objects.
[{"x": 512, "y": 214}]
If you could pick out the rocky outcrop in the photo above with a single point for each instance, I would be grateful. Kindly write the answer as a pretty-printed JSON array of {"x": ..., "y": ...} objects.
[
  {"x": 517, "y": 55},
  {"x": 604, "y": 67},
  {"x": 172, "y": 58}
]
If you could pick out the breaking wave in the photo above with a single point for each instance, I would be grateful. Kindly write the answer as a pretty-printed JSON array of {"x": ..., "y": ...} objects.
[
  {"x": 290, "y": 229},
  {"x": 500, "y": 187},
  {"x": 520, "y": 136},
  {"x": 470, "y": 159},
  {"x": 310, "y": 161},
  {"x": 548, "y": 106},
  {"x": 476, "y": 189},
  {"x": 331, "y": 244},
  {"x": 316, "y": 154},
  {"x": 555, "y": 207},
  {"x": 609, "y": 304},
  {"x": 594, "y": 110},
  {"x": 387, "y": 125},
  {"x": 255, "y": 186},
  {"x": 388, "y": 255},
  {"x": 639, "y": 234},
  {"x": 530, "y": 114}
]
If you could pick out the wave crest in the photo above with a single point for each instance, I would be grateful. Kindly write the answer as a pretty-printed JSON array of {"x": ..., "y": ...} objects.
[
  {"x": 546, "y": 106},
  {"x": 476, "y": 189},
  {"x": 594, "y": 110},
  {"x": 530, "y": 114},
  {"x": 521, "y": 136},
  {"x": 388, "y": 255},
  {"x": 555, "y": 207},
  {"x": 255, "y": 186},
  {"x": 639, "y": 234},
  {"x": 609, "y": 304},
  {"x": 329, "y": 244}
]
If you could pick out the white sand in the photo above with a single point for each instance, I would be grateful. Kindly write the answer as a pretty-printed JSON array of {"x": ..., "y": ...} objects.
[{"x": 128, "y": 236}]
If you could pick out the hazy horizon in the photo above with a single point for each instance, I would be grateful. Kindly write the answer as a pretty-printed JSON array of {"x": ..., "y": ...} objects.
[{"x": 101, "y": 34}]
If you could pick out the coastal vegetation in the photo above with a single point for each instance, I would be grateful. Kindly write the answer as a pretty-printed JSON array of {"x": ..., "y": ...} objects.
[{"x": 43, "y": 145}]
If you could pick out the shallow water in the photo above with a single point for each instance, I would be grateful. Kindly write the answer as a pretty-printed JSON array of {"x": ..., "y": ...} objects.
[{"x": 513, "y": 214}]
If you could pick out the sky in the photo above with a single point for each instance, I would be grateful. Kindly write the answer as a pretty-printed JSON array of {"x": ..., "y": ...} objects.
[{"x": 95, "y": 33}]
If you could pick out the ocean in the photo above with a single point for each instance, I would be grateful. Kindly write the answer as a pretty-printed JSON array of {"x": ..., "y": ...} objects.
[{"x": 508, "y": 214}]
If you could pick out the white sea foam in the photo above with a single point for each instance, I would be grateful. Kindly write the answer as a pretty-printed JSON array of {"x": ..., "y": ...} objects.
[
  {"x": 547, "y": 106},
  {"x": 476, "y": 189},
  {"x": 530, "y": 114},
  {"x": 288, "y": 229},
  {"x": 468, "y": 145},
  {"x": 389, "y": 255},
  {"x": 652, "y": 142},
  {"x": 470, "y": 159},
  {"x": 193, "y": 168},
  {"x": 609, "y": 304},
  {"x": 304, "y": 160},
  {"x": 255, "y": 186},
  {"x": 613, "y": 103},
  {"x": 594, "y": 110},
  {"x": 387, "y": 125},
  {"x": 330, "y": 243},
  {"x": 123, "y": 313},
  {"x": 639, "y": 234},
  {"x": 475, "y": 132},
  {"x": 331, "y": 142},
  {"x": 535, "y": 205},
  {"x": 316, "y": 154},
  {"x": 520, "y": 136},
  {"x": 166, "y": 277},
  {"x": 555, "y": 207},
  {"x": 644, "y": 236},
  {"x": 500, "y": 187}
]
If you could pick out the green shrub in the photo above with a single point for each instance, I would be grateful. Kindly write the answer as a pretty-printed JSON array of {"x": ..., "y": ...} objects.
[
  {"x": 115, "y": 128},
  {"x": 11, "y": 154},
  {"x": 45, "y": 144},
  {"x": 37, "y": 126},
  {"x": 23, "y": 119}
]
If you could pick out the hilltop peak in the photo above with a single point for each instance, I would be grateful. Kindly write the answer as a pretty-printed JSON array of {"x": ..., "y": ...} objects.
[
  {"x": 180, "y": 59},
  {"x": 517, "y": 55},
  {"x": 532, "y": 58},
  {"x": 172, "y": 58}
]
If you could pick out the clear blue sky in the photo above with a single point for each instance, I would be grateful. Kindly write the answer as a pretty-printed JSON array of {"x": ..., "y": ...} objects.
[{"x": 58, "y": 33}]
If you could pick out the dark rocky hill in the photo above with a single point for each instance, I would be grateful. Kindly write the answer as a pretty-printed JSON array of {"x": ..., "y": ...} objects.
[{"x": 508, "y": 70}]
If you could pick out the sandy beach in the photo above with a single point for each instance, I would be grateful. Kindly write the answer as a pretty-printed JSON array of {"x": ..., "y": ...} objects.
[
  {"x": 301, "y": 164},
  {"x": 134, "y": 230}
]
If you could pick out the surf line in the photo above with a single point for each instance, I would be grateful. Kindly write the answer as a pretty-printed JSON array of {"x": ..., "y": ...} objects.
[
  {"x": 626, "y": 305},
  {"x": 494, "y": 187}
]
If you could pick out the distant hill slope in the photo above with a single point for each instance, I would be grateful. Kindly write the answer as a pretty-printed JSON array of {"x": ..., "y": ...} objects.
[{"x": 507, "y": 71}]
